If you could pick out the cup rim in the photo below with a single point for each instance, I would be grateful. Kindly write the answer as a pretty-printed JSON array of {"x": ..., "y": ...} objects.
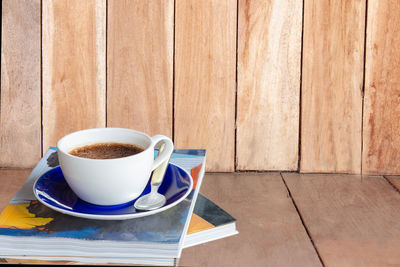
[{"x": 102, "y": 129}]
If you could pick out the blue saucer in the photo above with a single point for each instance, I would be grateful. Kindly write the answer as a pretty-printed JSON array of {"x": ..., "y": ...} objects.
[{"x": 52, "y": 190}]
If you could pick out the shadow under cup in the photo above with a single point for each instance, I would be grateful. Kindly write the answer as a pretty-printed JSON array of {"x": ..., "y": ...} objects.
[{"x": 108, "y": 181}]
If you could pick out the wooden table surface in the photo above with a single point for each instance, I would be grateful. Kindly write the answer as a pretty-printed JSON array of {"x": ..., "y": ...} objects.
[{"x": 291, "y": 219}]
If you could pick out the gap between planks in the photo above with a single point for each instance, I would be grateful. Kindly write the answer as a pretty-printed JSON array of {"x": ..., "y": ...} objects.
[
  {"x": 302, "y": 220},
  {"x": 395, "y": 188}
]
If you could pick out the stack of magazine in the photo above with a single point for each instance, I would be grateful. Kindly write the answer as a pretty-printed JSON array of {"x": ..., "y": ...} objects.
[{"x": 31, "y": 231}]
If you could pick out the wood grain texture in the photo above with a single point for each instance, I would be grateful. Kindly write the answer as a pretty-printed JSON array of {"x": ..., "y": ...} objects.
[
  {"x": 11, "y": 181},
  {"x": 353, "y": 220},
  {"x": 205, "y": 66},
  {"x": 270, "y": 230},
  {"x": 20, "y": 122},
  {"x": 381, "y": 139},
  {"x": 73, "y": 67},
  {"x": 269, "y": 52},
  {"x": 140, "y": 64},
  {"x": 332, "y": 81}
]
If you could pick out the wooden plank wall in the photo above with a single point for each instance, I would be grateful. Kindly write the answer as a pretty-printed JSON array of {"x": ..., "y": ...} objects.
[
  {"x": 20, "y": 119},
  {"x": 205, "y": 64},
  {"x": 381, "y": 146},
  {"x": 140, "y": 64},
  {"x": 332, "y": 84},
  {"x": 309, "y": 86},
  {"x": 73, "y": 67},
  {"x": 269, "y": 37}
]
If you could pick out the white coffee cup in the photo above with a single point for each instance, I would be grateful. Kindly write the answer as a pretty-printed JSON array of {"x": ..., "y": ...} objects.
[{"x": 110, "y": 181}]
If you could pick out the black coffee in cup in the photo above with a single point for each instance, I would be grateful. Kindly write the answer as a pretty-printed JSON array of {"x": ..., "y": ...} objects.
[{"x": 106, "y": 150}]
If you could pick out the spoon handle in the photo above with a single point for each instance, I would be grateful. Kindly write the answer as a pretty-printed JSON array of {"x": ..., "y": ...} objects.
[{"x": 158, "y": 173}]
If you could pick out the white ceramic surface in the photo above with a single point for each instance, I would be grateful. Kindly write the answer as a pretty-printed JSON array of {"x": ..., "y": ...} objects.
[{"x": 110, "y": 181}]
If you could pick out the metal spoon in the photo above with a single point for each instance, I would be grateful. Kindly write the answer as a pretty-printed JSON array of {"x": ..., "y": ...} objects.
[{"x": 154, "y": 200}]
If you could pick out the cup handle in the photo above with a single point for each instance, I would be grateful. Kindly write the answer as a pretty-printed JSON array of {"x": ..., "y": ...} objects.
[{"x": 166, "y": 153}]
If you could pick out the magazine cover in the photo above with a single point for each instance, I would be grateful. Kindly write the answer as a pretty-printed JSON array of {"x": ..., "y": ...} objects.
[
  {"x": 209, "y": 222},
  {"x": 27, "y": 227},
  {"x": 207, "y": 215}
]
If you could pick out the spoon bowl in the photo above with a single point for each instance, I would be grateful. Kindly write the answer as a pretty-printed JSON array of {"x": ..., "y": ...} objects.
[
  {"x": 154, "y": 200},
  {"x": 151, "y": 201}
]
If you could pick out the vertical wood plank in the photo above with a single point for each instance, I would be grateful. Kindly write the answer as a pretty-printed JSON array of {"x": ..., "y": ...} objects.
[
  {"x": 269, "y": 52},
  {"x": 205, "y": 66},
  {"x": 73, "y": 67},
  {"x": 20, "y": 121},
  {"x": 333, "y": 52},
  {"x": 140, "y": 64},
  {"x": 381, "y": 139}
]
